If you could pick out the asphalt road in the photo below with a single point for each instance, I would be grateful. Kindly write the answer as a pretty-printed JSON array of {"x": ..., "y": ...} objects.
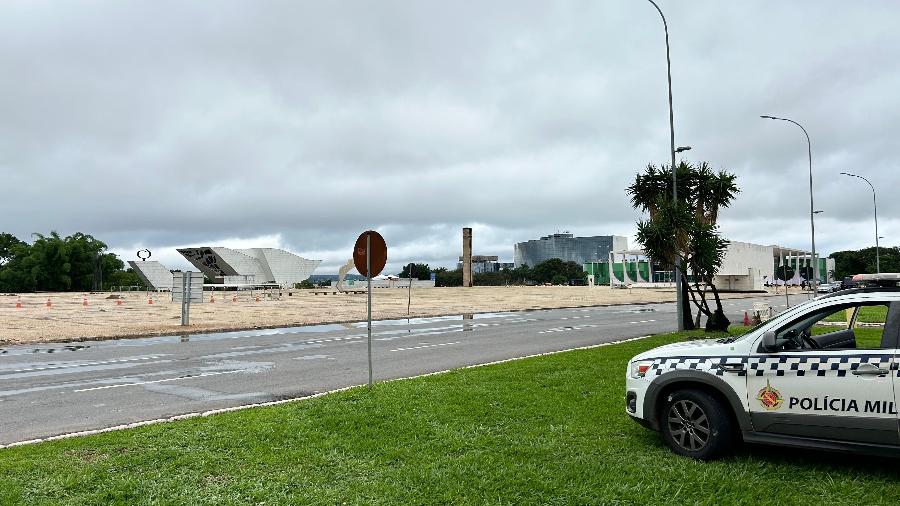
[{"x": 53, "y": 389}]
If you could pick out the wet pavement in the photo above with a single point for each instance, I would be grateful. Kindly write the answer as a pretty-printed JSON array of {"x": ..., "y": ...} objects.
[{"x": 52, "y": 389}]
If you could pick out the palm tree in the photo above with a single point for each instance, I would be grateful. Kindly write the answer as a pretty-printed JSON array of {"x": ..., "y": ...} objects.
[{"x": 686, "y": 231}]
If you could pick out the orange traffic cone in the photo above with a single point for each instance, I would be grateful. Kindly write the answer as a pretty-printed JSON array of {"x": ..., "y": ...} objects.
[
  {"x": 19, "y": 303},
  {"x": 49, "y": 304},
  {"x": 746, "y": 319},
  {"x": 84, "y": 302}
]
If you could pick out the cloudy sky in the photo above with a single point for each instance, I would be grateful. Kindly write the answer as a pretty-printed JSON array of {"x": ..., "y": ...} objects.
[{"x": 299, "y": 124}]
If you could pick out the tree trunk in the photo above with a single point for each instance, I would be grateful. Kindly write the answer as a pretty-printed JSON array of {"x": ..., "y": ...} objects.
[
  {"x": 718, "y": 321},
  {"x": 686, "y": 303}
]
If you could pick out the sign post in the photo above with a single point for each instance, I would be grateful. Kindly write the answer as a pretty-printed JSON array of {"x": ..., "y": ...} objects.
[
  {"x": 187, "y": 287},
  {"x": 185, "y": 299},
  {"x": 369, "y": 294},
  {"x": 370, "y": 257}
]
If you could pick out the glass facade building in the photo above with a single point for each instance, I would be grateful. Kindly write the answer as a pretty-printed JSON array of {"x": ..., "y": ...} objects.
[{"x": 569, "y": 248}]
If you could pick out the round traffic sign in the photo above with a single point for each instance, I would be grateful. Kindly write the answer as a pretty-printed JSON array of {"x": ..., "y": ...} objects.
[{"x": 377, "y": 255}]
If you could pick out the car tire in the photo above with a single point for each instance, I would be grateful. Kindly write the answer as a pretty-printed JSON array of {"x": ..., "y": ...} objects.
[{"x": 697, "y": 425}]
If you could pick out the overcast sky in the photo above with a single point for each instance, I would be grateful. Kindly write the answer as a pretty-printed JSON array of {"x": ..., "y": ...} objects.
[{"x": 300, "y": 124}]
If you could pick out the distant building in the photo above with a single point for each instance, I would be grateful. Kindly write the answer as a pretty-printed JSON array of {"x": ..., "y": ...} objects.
[
  {"x": 568, "y": 248},
  {"x": 252, "y": 266},
  {"x": 486, "y": 263},
  {"x": 154, "y": 274},
  {"x": 745, "y": 266}
]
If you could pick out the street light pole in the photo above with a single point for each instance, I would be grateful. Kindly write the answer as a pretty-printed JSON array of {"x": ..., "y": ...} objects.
[
  {"x": 875, "y": 204},
  {"x": 679, "y": 298},
  {"x": 812, "y": 221}
]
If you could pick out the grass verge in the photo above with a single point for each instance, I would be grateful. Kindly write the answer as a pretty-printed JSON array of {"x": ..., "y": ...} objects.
[{"x": 546, "y": 430}]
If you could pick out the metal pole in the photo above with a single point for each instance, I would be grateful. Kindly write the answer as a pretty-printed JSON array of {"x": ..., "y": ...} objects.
[
  {"x": 369, "y": 282},
  {"x": 787, "y": 297},
  {"x": 812, "y": 221},
  {"x": 679, "y": 299},
  {"x": 185, "y": 298},
  {"x": 875, "y": 205},
  {"x": 409, "y": 293}
]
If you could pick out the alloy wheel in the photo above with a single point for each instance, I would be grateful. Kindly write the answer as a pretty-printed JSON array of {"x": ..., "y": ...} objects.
[{"x": 688, "y": 425}]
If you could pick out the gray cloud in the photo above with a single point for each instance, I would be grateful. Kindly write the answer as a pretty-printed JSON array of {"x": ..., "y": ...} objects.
[{"x": 301, "y": 124}]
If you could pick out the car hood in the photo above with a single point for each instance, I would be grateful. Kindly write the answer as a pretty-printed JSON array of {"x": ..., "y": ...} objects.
[{"x": 700, "y": 347}]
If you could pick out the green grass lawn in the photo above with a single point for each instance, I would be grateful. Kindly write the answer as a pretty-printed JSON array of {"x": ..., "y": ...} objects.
[
  {"x": 867, "y": 314},
  {"x": 547, "y": 430}
]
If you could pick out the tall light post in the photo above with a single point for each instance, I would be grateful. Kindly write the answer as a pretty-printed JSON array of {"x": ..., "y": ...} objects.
[
  {"x": 874, "y": 204},
  {"x": 812, "y": 221},
  {"x": 679, "y": 298}
]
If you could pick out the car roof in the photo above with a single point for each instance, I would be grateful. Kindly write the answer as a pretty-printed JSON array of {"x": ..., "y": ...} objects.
[{"x": 893, "y": 292}]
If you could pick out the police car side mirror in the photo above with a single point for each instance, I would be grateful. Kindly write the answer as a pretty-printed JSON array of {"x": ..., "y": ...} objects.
[{"x": 769, "y": 342}]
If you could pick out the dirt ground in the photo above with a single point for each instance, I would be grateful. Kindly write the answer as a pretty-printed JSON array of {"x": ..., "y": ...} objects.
[{"x": 68, "y": 319}]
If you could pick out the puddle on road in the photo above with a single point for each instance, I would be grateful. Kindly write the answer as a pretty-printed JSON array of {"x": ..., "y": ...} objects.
[
  {"x": 57, "y": 349},
  {"x": 322, "y": 329}
]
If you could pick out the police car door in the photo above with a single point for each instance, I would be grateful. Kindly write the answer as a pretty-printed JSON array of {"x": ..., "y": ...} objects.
[{"x": 830, "y": 376}]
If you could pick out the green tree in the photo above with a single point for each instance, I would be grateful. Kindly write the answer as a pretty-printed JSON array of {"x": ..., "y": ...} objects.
[
  {"x": 686, "y": 231},
  {"x": 557, "y": 271},
  {"x": 8, "y": 247},
  {"x": 116, "y": 278},
  {"x": 419, "y": 271},
  {"x": 490, "y": 279},
  {"x": 848, "y": 263},
  {"x": 53, "y": 263},
  {"x": 519, "y": 275},
  {"x": 444, "y": 277}
]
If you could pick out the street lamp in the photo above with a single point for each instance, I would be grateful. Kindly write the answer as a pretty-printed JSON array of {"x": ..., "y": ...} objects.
[
  {"x": 812, "y": 221},
  {"x": 679, "y": 298},
  {"x": 875, "y": 204},
  {"x": 681, "y": 149}
]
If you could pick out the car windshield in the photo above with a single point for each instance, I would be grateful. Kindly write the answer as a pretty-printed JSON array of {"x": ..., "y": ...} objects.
[{"x": 738, "y": 337}]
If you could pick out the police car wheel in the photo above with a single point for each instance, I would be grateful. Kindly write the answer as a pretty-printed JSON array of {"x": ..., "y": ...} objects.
[{"x": 695, "y": 424}]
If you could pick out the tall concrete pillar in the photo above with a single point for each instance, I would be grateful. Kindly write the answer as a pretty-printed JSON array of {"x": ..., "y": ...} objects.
[
  {"x": 467, "y": 257},
  {"x": 612, "y": 273}
]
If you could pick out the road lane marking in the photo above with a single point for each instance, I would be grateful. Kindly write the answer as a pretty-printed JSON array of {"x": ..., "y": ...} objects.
[
  {"x": 231, "y": 409},
  {"x": 425, "y": 346},
  {"x": 565, "y": 329},
  {"x": 56, "y": 366},
  {"x": 105, "y": 387}
]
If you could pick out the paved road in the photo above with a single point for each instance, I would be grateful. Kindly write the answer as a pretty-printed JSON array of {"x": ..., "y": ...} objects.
[{"x": 52, "y": 389}]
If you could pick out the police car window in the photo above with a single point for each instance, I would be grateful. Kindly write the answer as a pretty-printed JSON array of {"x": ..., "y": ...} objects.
[{"x": 847, "y": 326}]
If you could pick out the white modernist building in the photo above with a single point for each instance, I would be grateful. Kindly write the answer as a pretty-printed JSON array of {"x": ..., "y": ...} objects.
[
  {"x": 154, "y": 274},
  {"x": 252, "y": 266},
  {"x": 746, "y": 266}
]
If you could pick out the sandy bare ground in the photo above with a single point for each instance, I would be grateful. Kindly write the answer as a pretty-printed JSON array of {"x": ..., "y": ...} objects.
[{"x": 68, "y": 319}]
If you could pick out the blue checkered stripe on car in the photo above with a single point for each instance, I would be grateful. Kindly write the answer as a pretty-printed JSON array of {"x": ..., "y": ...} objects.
[
  {"x": 784, "y": 365},
  {"x": 705, "y": 364}
]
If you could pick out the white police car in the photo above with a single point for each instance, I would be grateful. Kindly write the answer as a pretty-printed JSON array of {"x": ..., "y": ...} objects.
[{"x": 820, "y": 375}]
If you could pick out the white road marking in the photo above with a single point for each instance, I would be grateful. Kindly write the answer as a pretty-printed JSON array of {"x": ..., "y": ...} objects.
[
  {"x": 86, "y": 364},
  {"x": 159, "y": 381},
  {"x": 564, "y": 329},
  {"x": 212, "y": 412},
  {"x": 425, "y": 346}
]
